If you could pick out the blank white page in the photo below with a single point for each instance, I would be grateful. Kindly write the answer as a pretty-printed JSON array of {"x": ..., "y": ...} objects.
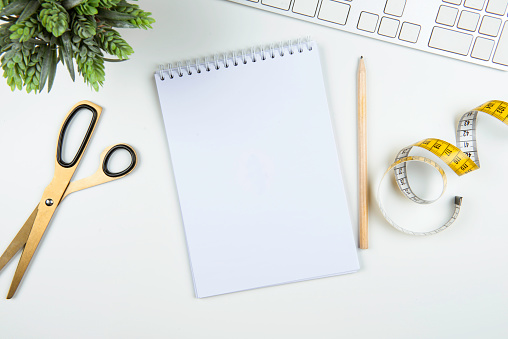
[{"x": 257, "y": 172}]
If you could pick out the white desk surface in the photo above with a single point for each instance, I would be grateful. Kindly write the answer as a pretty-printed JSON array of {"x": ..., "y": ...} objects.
[{"x": 113, "y": 263}]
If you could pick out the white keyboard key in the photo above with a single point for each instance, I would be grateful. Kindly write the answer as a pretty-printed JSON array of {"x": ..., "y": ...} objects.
[
  {"x": 455, "y": 2},
  {"x": 336, "y": 12},
  {"x": 409, "y": 32},
  {"x": 282, "y": 4},
  {"x": 482, "y": 48},
  {"x": 468, "y": 21},
  {"x": 305, "y": 7},
  {"x": 395, "y": 7},
  {"x": 501, "y": 55},
  {"x": 451, "y": 41},
  {"x": 447, "y": 15},
  {"x": 497, "y": 6},
  {"x": 368, "y": 22},
  {"x": 490, "y": 25},
  {"x": 474, "y": 4},
  {"x": 388, "y": 27}
]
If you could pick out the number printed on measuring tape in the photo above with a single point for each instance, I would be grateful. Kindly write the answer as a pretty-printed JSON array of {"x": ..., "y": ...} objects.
[{"x": 462, "y": 159}]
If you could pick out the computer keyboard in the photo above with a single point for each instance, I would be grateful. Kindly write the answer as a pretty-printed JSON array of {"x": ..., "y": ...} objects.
[{"x": 475, "y": 31}]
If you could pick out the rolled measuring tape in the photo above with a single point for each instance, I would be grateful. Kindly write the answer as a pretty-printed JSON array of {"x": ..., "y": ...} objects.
[{"x": 462, "y": 159}]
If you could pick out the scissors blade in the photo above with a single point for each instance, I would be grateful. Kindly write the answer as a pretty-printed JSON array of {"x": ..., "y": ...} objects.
[
  {"x": 54, "y": 192},
  {"x": 40, "y": 224},
  {"x": 19, "y": 240}
]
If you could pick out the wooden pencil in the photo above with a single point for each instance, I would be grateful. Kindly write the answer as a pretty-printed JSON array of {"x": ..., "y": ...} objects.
[{"x": 362, "y": 156}]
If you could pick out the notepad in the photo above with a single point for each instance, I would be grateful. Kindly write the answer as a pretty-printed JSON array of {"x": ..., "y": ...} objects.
[{"x": 256, "y": 169}]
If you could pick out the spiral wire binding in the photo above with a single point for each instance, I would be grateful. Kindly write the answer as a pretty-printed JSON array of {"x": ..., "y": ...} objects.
[
  {"x": 244, "y": 56},
  {"x": 234, "y": 58}
]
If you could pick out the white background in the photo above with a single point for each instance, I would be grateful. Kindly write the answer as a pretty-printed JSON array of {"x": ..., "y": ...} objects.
[{"x": 113, "y": 263}]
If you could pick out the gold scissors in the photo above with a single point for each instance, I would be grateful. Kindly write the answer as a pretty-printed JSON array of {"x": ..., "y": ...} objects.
[{"x": 60, "y": 186}]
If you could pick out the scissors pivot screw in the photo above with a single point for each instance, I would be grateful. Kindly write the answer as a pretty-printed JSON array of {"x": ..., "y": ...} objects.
[{"x": 49, "y": 202}]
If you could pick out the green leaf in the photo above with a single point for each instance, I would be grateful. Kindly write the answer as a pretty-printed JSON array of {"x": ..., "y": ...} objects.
[
  {"x": 19, "y": 82},
  {"x": 17, "y": 57},
  {"x": 68, "y": 4},
  {"x": 111, "y": 42},
  {"x": 119, "y": 23},
  {"x": 52, "y": 69},
  {"x": 89, "y": 7},
  {"x": 108, "y": 3},
  {"x": 46, "y": 66},
  {"x": 25, "y": 30},
  {"x": 30, "y": 9},
  {"x": 54, "y": 18},
  {"x": 113, "y": 15},
  {"x": 36, "y": 42},
  {"x": 142, "y": 19},
  {"x": 31, "y": 71},
  {"x": 67, "y": 54},
  {"x": 114, "y": 60},
  {"x": 60, "y": 55},
  {"x": 14, "y": 8},
  {"x": 84, "y": 26}
]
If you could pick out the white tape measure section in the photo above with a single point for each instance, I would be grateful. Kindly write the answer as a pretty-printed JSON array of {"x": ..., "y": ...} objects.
[
  {"x": 466, "y": 136},
  {"x": 400, "y": 172},
  {"x": 399, "y": 167}
]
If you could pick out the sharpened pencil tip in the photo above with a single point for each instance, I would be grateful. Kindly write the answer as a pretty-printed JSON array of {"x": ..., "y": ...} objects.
[{"x": 361, "y": 57}]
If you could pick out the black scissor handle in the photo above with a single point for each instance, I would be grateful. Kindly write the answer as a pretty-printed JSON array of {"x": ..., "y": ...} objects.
[
  {"x": 84, "y": 143},
  {"x": 108, "y": 155}
]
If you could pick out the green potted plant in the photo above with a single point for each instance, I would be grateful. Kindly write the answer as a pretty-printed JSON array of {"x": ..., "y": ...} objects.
[{"x": 38, "y": 34}]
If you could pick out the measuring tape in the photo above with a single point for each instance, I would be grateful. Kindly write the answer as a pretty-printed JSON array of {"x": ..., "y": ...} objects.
[{"x": 462, "y": 159}]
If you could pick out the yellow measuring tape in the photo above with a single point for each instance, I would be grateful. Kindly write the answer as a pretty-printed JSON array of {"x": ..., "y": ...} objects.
[{"x": 462, "y": 159}]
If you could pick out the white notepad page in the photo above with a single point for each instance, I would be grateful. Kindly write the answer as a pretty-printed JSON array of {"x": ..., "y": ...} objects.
[{"x": 257, "y": 172}]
